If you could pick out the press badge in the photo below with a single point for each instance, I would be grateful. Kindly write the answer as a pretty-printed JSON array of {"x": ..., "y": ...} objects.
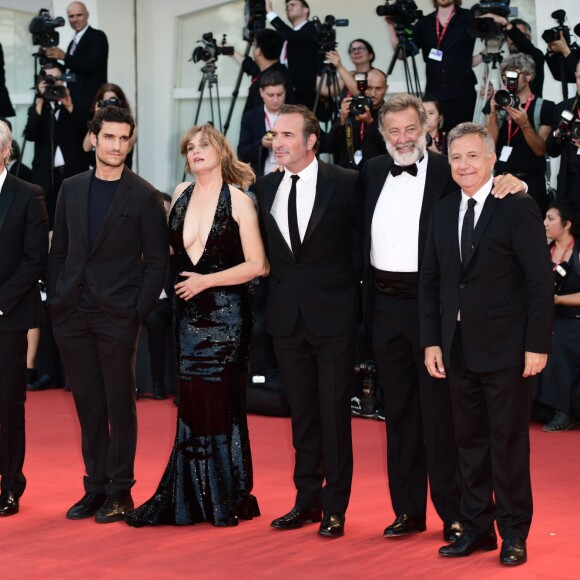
[
  {"x": 506, "y": 151},
  {"x": 357, "y": 157},
  {"x": 436, "y": 54}
]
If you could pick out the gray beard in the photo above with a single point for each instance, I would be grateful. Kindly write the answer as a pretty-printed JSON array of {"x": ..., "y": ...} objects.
[{"x": 412, "y": 156}]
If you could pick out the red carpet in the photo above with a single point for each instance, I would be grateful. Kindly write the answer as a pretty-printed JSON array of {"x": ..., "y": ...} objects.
[{"x": 40, "y": 543}]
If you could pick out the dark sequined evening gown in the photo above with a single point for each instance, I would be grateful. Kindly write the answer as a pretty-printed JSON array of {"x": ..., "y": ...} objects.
[{"x": 209, "y": 475}]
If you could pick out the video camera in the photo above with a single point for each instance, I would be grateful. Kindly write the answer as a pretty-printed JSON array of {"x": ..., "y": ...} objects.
[
  {"x": 508, "y": 97},
  {"x": 358, "y": 103},
  {"x": 326, "y": 32},
  {"x": 403, "y": 13},
  {"x": 42, "y": 28},
  {"x": 255, "y": 15},
  {"x": 111, "y": 101},
  {"x": 210, "y": 50},
  {"x": 487, "y": 28},
  {"x": 52, "y": 90},
  {"x": 553, "y": 34},
  {"x": 569, "y": 127}
]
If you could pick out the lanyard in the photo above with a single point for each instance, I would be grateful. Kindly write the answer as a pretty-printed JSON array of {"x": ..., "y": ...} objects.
[
  {"x": 564, "y": 253},
  {"x": 268, "y": 123},
  {"x": 511, "y": 135},
  {"x": 441, "y": 33}
]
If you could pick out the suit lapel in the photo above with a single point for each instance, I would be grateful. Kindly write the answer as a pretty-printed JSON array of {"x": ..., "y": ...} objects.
[
  {"x": 452, "y": 226},
  {"x": 375, "y": 188},
  {"x": 82, "y": 199},
  {"x": 6, "y": 198},
  {"x": 273, "y": 182},
  {"x": 120, "y": 199},
  {"x": 324, "y": 189},
  {"x": 486, "y": 213}
]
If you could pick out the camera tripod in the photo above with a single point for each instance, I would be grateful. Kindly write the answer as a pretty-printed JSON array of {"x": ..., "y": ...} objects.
[
  {"x": 236, "y": 90},
  {"x": 407, "y": 50},
  {"x": 209, "y": 79},
  {"x": 491, "y": 56},
  {"x": 328, "y": 77}
]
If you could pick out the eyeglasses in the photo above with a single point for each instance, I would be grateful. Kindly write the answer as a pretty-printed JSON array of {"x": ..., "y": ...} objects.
[{"x": 357, "y": 49}]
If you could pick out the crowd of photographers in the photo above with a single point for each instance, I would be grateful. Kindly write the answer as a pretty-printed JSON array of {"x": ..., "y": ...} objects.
[{"x": 297, "y": 62}]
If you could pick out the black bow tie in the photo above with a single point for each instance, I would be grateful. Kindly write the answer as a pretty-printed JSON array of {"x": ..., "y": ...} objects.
[{"x": 398, "y": 169}]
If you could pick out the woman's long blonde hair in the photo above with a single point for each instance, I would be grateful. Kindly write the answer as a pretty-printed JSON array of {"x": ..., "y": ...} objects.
[{"x": 234, "y": 171}]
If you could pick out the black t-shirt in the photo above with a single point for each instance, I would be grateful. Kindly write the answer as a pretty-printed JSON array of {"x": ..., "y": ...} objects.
[
  {"x": 522, "y": 159},
  {"x": 453, "y": 76},
  {"x": 101, "y": 195}
]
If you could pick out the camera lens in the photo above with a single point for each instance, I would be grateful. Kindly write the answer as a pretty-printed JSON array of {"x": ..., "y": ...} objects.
[{"x": 503, "y": 99}]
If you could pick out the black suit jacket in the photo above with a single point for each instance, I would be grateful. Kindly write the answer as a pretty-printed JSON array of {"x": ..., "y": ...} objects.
[
  {"x": 505, "y": 292},
  {"x": 302, "y": 53},
  {"x": 6, "y": 108},
  {"x": 126, "y": 268},
  {"x": 89, "y": 64},
  {"x": 250, "y": 149},
  {"x": 438, "y": 183},
  {"x": 321, "y": 283},
  {"x": 23, "y": 251}
]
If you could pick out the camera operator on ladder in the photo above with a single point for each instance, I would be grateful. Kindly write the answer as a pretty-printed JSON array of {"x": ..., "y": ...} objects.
[
  {"x": 564, "y": 140},
  {"x": 519, "y": 123},
  {"x": 447, "y": 49}
]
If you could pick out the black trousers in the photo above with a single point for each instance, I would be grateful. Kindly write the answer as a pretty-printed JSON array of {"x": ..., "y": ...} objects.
[
  {"x": 99, "y": 361},
  {"x": 317, "y": 375},
  {"x": 492, "y": 416},
  {"x": 419, "y": 421},
  {"x": 13, "y": 347},
  {"x": 458, "y": 110}
]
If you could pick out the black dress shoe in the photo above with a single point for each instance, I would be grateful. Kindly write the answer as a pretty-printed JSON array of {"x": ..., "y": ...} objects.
[
  {"x": 332, "y": 526},
  {"x": 8, "y": 503},
  {"x": 560, "y": 422},
  {"x": 513, "y": 552},
  {"x": 159, "y": 391},
  {"x": 86, "y": 507},
  {"x": 114, "y": 508},
  {"x": 403, "y": 526},
  {"x": 452, "y": 531},
  {"x": 468, "y": 543},
  {"x": 297, "y": 518}
]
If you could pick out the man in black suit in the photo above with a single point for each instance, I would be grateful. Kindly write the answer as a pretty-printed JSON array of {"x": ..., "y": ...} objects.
[
  {"x": 86, "y": 56},
  {"x": 23, "y": 251},
  {"x": 486, "y": 302},
  {"x": 300, "y": 49},
  {"x": 255, "y": 144},
  {"x": 57, "y": 129},
  {"x": 106, "y": 268},
  {"x": 307, "y": 214}
]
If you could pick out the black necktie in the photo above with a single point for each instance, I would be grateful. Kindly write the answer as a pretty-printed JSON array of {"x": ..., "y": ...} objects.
[
  {"x": 398, "y": 169},
  {"x": 467, "y": 232},
  {"x": 293, "y": 218}
]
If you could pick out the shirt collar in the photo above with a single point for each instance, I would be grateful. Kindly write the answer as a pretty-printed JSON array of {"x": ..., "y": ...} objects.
[
  {"x": 308, "y": 173},
  {"x": 480, "y": 195},
  {"x": 3, "y": 178},
  {"x": 79, "y": 34}
]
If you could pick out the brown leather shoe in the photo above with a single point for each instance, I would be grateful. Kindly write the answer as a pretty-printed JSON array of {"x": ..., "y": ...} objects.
[{"x": 403, "y": 526}]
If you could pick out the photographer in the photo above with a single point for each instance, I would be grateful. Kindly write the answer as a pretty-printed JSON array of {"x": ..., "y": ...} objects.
[
  {"x": 520, "y": 134},
  {"x": 447, "y": 49},
  {"x": 561, "y": 59},
  {"x": 267, "y": 46},
  {"x": 300, "y": 49},
  {"x": 561, "y": 376},
  {"x": 561, "y": 142},
  {"x": 362, "y": 56},
  {"x": 57, "y": 130},
  {"x": 255, "y": 143},
  {"x": 355, "y": 136},
  {"x": 518, "y": 35},
  {"x": 86, "y": 56}
]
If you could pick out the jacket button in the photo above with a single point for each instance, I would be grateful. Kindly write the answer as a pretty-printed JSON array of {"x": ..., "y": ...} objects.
[{"x": 461, "y": 286}]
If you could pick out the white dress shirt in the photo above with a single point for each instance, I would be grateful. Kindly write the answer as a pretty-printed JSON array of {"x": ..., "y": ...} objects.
[
  {"x": 395, "y": 223},
  {"x": 305, "y": 194},
  {"x": 479, "y": 197}
]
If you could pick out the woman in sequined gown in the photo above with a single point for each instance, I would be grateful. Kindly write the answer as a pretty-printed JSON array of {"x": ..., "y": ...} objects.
[{"x": 216, "y": 242}]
